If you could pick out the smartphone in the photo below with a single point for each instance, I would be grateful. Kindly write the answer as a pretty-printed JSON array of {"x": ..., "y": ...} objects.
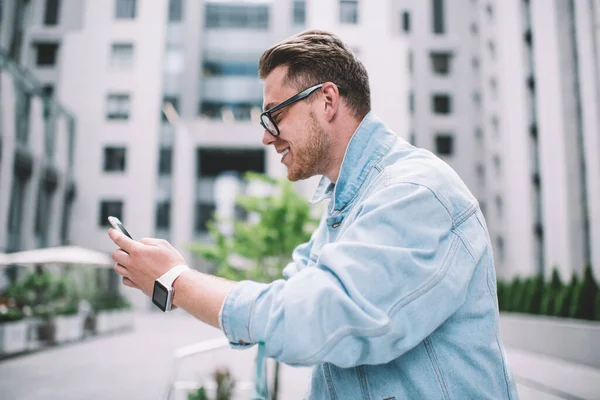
[{"x": 118, "y": 225}]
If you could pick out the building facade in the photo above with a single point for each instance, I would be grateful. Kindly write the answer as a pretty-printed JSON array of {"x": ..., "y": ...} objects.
[{"x": 37, "y": 142}]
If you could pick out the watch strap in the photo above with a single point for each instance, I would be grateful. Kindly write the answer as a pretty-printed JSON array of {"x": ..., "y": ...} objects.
[{"x": 169, "y": 277}]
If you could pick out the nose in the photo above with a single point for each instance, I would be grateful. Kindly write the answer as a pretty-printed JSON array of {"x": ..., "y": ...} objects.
[{"x": 268, "y": 138}]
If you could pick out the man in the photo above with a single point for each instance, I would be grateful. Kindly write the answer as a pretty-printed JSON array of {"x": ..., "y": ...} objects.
[{"x": 394, "y": 296}]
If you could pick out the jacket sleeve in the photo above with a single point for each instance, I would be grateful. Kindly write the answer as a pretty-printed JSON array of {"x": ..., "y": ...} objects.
[{"x": 394, "y": 276}]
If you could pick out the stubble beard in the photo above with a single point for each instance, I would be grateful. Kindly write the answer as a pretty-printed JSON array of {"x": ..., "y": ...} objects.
[{"x": 310, "y": 159}]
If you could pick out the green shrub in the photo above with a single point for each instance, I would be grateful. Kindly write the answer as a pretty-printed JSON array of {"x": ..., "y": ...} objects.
[
  {"x": 551, "y": 291},
  {"x": 583, "y": 303},
  {"x": 598, "y": 306},
  {"x": 517, "y": 295},
  {"x": 532, "y": 300},
  {"x": 562, "y": 308},
  {"x": 501, "y": 292},
  {"x": 580, "y": 298},
  {"x": 10, "y": 314}
]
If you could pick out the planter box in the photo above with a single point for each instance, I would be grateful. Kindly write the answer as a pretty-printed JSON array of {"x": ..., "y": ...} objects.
[
  {"x": 13, "y": 337},
  {"x": 68, "y": 328},
  {"x": 125, "y": 319},
  {"x": 104, "y": 321},
  {"x": 570, "y": 339}
]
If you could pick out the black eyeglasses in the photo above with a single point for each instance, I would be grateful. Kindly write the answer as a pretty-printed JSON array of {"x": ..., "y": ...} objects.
[{"x": 266, "y": 118}]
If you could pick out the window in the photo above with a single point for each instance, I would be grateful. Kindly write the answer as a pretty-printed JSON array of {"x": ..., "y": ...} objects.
[
  {"x": 438, "y": 17},
  {"x": 490, "y": 11},
  {"x": 483, "y": 208},
  {"x": 494, "y": 86},
  {"x": 480, "y": 170},
  {"x": 492, "y": 49},
  {"x": 442, "y": 104},
  {"x": 299, "y": 12},
  {"x": 228, "y": 111},
  {"x": 121, "y": 55},
  {"x": 245, "y": 16},
  {"x": 500, "y": 248},
  {"x": 42, "y": 215},
  {"x": 477, "y": 98},
  {"x": 163, "y": 215},
  {"x": 230, "y": 68},
  {"x": 114, "y": 159},
  {"x": 110, "y": 208},
  {"x": 175, "y": 10},
  {"x": 117, "y": 106},
  {"x": 46, "y": 54},
  {"x": 411, "y": 102},
  {"x": 444, "y": 144},
  {"x": 412, "y": 139},
  {"x": 165, "y": 161},
  {"x": 474, "y": 28},
  {"x": 475, "y": 63},
  {"x": 498, "y": 165},
  {"x": 440, "y": 63},
  {"x": 204, "y": 213},
  {"x": 406, "y": 22},
  {"x": 349, "y": 11},
  {"x": 48, "y": 90},
  {"x": 174, "y": 102},
  {"x": 495, "y": 121},
  {"x": 410, "y": 61},
  {"x": 125, "y": 9},
  {"x": 51, "y": 13},
  {"x": 173, "y": 60},
  {"x": 212, "y": 162},
  {"x": 499, "y": 206}
]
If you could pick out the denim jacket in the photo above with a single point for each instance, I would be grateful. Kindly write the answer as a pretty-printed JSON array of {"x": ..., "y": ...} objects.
[{"x": 394, "y": 296}]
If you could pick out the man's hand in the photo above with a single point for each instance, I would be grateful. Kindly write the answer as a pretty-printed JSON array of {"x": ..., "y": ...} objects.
[{"x": 141, "y": 263}]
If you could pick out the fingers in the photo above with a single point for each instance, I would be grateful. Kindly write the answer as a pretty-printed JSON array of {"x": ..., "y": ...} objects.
[
  {"x": 122, "y": 241},
  {"x": 129, "y": 282},
  {"x": 121, "y": 270},
  {"x": 121, "y": 257},
  {"x": 155, "y": 242}
]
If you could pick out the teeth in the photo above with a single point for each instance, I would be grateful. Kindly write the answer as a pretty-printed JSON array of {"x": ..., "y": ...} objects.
[{"x": 283, "y": 153}]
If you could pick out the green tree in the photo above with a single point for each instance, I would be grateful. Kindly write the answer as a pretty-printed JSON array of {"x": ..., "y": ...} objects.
[{"x": 259, "y": 248}]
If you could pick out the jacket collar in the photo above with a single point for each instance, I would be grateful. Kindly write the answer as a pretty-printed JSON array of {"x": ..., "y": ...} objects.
[{"x": 369, "y": 143}]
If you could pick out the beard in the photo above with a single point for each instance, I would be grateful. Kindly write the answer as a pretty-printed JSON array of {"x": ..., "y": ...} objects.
[{"x": 311, "y": 158}]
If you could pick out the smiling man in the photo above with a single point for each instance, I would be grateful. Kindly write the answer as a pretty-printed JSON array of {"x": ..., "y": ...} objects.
[{"x": 394, "y": 296}]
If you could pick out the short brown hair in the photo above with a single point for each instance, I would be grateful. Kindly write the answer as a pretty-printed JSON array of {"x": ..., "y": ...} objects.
[{"x": 314, "y": 57}]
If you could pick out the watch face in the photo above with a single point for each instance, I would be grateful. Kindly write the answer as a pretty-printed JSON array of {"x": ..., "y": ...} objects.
[{"x": 160, "y": 295}]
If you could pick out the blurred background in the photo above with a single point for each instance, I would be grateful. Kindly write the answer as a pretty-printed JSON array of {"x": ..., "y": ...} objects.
[{"x": 147, "y": 110}]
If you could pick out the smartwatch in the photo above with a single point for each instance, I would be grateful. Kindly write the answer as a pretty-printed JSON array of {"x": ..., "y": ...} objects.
[{"x": 162, "y": 295}]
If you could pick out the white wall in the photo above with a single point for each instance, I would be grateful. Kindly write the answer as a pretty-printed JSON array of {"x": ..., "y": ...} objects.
[
  {"x": 385, "y": 60},
  {"x": 86, "y": 81},
  {"x": 517, "y": 146}
]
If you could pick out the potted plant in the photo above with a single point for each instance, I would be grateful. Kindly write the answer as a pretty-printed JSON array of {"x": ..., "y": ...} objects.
[
  {"x": 110, "y": 313},
  {"x": 13, "y": 330},
  {"x": 223, "y": 388}
]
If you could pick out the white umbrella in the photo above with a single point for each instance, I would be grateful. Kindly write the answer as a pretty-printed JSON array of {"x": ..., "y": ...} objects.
[{"x": 58, "y": 255}]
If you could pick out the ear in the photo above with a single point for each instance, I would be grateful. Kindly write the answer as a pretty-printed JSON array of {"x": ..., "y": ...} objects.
[{"x": 331, "y": 95}]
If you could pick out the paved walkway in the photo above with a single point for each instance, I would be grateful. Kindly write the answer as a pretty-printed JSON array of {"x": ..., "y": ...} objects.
[
  {"x": 130, "y": 365},
  {"x": 135, "y": 365}
]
